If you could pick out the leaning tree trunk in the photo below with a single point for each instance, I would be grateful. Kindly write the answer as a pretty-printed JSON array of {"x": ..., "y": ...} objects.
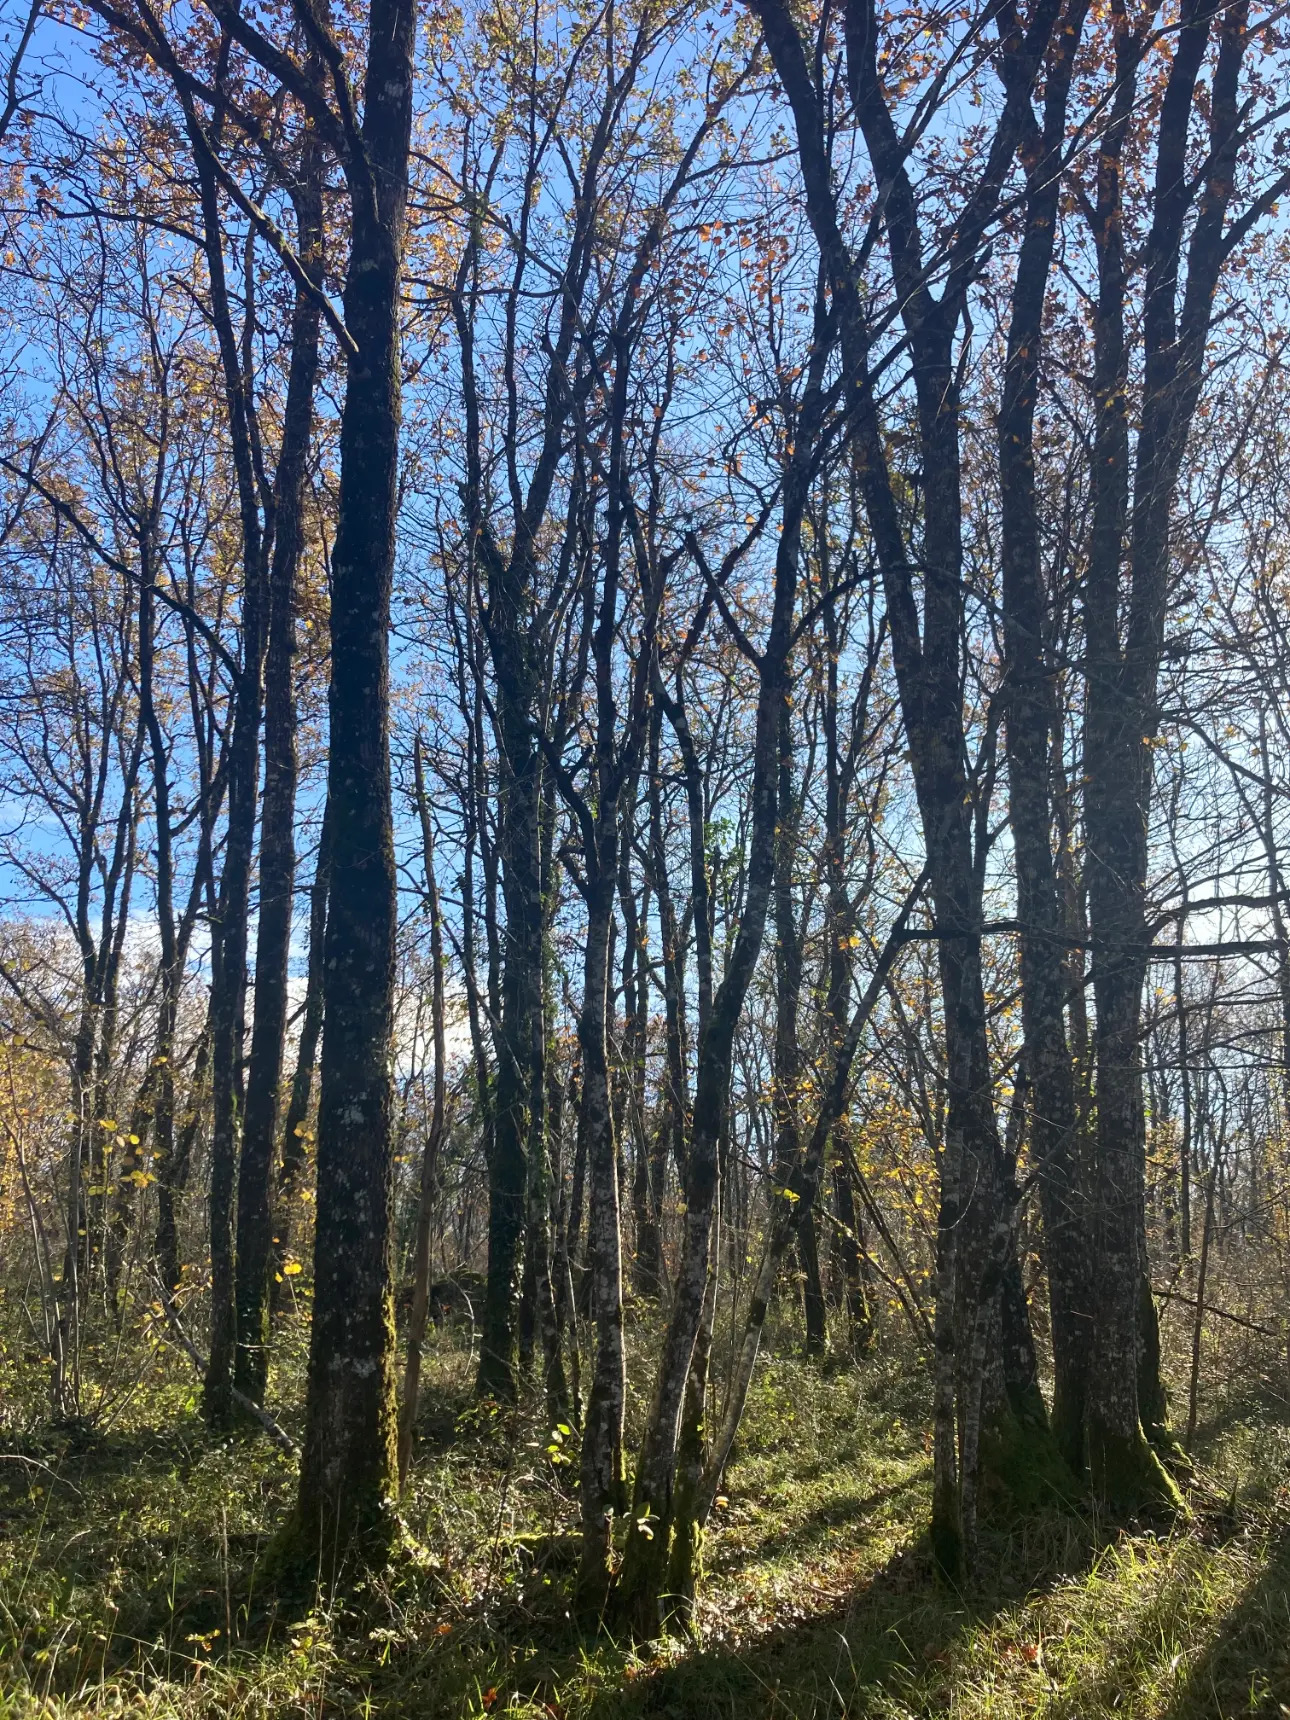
[
  {"x": 295, "y": 1124},
  {"x": 646, "y": 1559}
]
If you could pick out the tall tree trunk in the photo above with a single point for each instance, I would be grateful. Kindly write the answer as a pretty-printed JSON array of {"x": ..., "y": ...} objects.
[
  {"x": 295, "y": 1124},
  {"x": 851, "y": 1250},
  {"x": 521, "y": 1019},
  {"x": 603, "y": 1489},
  {"x": 787, "y": 1063},
  {"x": 254, "y": 1252},
  {"x": 183, "y": 1130},
  {"x": 1032, "y": 725},
  {"x": 926, "y": 637},
  {"x": 348, "y": 1472},
  {"x": 229, "y": 934},
  {"x": 1122, "y": 715},
  {"x": 617, "y": 768},
  {"x": 689, "y": 1514},
  {"x": 434, "y": 1139},
  {"x": 645, "y": 1562},
  {"x": 814, "y": 1307},
  {"x": 171, "y": 975}
]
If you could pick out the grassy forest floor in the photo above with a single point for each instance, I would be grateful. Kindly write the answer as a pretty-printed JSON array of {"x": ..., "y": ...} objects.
[{"x": 129, "y": 1556}]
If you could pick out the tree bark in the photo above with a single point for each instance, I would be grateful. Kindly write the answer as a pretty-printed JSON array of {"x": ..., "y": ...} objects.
[
  {"x": 1122, "y": 708},
  {"x": 1031, "y": 729},
  {"x": 348, "y": 1473},
  {"x": 419, "y": 1311},
  {"x": 229, "y": 933},
  {"x": 295, "y": 1124},
  {"x": 255, "y": 1230}
]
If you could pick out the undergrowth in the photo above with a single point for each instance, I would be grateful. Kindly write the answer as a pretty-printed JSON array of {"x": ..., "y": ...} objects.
[{"x": 130, "y": 1556}]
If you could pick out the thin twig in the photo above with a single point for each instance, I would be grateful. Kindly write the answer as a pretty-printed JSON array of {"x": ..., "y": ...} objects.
[{"x": 1222, "y": 1313}]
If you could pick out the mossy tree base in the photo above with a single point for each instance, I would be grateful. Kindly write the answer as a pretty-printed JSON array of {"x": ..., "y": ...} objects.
[
  {"x": 308, "y": 1551},
  {"x": 638, "y": 1599},
  {"x": 1023, "y": 1468},
  {"x": 1129, "y": 1478},
  {"x": 684, "y": 1574},
  {"x": 1164, "y": 1442}
]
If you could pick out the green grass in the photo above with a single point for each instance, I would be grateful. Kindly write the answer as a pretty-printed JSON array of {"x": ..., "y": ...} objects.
[{"x": 129, "y": 1562}]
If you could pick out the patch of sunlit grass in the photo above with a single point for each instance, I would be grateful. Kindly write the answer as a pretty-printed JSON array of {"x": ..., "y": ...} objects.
[{"x": 130, "y": 1564}]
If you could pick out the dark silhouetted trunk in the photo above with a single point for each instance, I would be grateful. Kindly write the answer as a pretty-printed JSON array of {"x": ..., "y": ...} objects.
[
  {"x": 1032, "y": 730},
  {"x": 646, "y": 1558},
  {"x": 255, "y": 1231},
  {"x": 348, "y": 1472},
  {"x": 295, "y": 1124},
  {"x": 419, "y": 1310},
  {"x": 1122, "y": 715},
  {"x": 229, "y": 932}
]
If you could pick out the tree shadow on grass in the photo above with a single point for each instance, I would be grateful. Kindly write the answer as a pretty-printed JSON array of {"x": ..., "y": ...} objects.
[
  {"x": 891, "y": 1642},
  {"x": 865, "y": 1512},
  {"x": 1245, "y": 1667}
]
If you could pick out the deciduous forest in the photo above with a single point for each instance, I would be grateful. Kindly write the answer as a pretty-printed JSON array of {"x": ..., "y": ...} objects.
[{"x": 644, "y": 931}]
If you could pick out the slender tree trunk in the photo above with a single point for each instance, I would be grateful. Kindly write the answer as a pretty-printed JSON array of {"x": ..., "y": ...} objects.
[
  {"x": 183, "y": 1130},
  {"x": 617, "y": 773},
  {"x": 434, "y": 1140},
  {"x": 814, "y": 1308},
  {"x": 691, "y": 1460},
  {"x": 603, "y": 1489},
  {"x": 851, "y": 1249},
  {"x": 229, "y": 934},
  {"x": 646, "y": 1558},
  {"x": 647, "y": 1258},
  {"x": 521, "y": 1019},
  {"x": 348, "y": 1472},
  {"x": 1198, "y": 1324},
  {"x": 255, "y": 1232},
  {"x": 1122, "y": 714},
  {"x": 295, "y": 1124},
  {"x": 1031, "y": 728},
  {"x": 162, "y": 1082},
  {"x": 787, "y": 1071}
]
